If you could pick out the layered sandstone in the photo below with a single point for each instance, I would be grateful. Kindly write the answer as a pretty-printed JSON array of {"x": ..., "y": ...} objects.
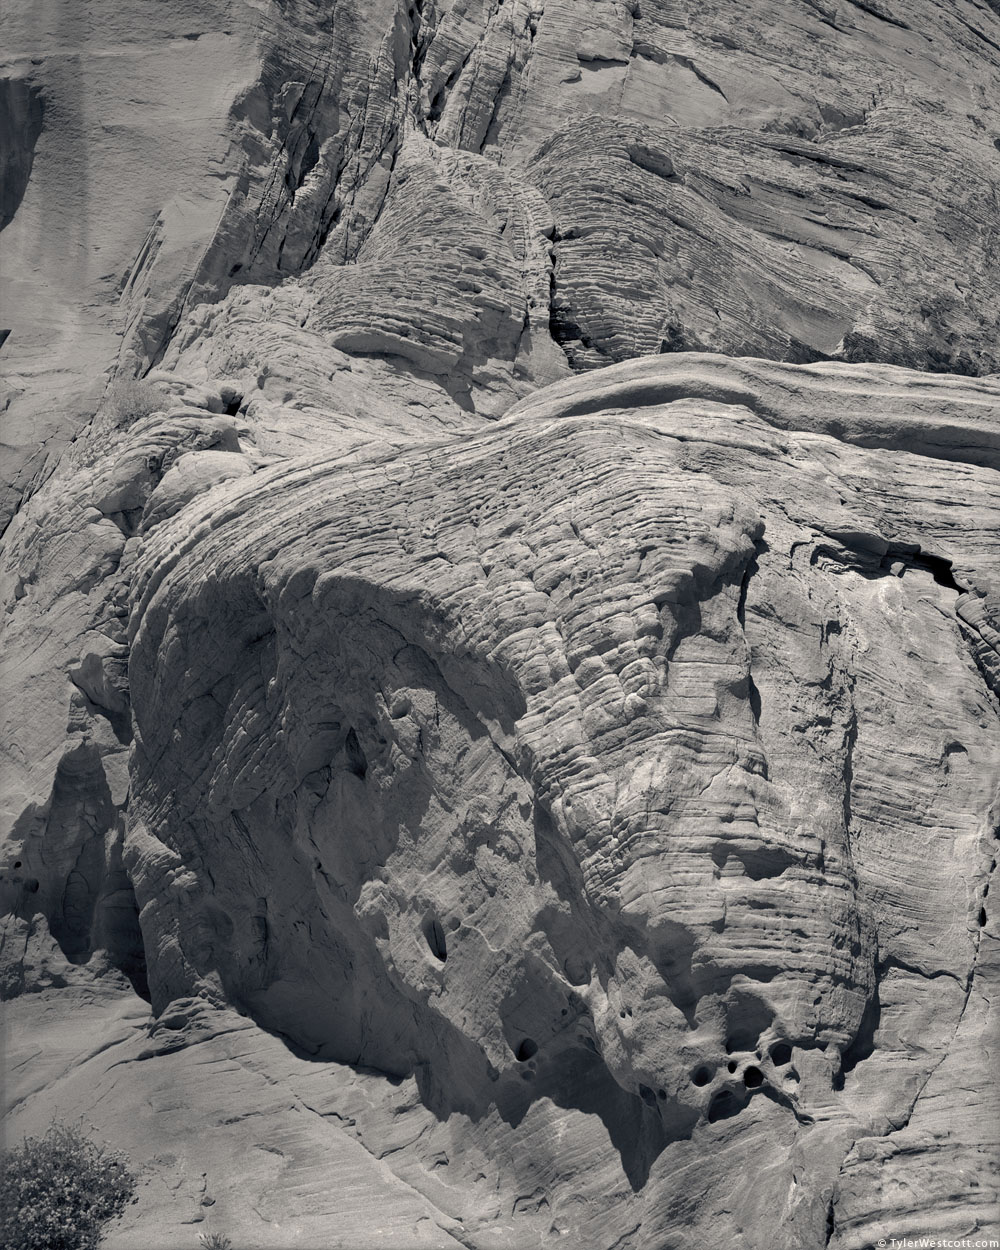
[
  {"x": 483, "y": 194},
  {"x": 621, "y": 779},
  {"x": 500, "y": 727}
]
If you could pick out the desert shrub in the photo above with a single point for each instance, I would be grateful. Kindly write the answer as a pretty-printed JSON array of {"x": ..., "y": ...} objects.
[
  {"x": 130, "y": 399},
  {"x": 58, "y": 1191},
  {"x": 215, "y": 1241}
]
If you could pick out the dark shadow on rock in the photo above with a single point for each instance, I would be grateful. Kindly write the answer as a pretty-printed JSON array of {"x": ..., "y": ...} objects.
[{"x": 22, "y": 112}]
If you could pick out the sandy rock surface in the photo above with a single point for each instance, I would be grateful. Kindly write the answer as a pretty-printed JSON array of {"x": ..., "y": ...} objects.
[
  {"x": 618, "y": 783},
  {"x": 474, "y": 197},
  {"x": 499, "y": 734}
]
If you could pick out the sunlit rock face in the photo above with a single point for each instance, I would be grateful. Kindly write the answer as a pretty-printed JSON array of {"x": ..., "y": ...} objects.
[
  {"x": 622, "y": 774},
  {"x": 485, "y": 195},
  {"x": 817, "y": 182},
  {"x": 502, "y": 732}
]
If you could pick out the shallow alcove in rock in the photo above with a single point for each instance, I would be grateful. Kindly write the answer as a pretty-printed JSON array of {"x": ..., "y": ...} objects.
[
  {"x": 357, "y": 762},
  {"x": 781, "y": 1054},
  {"x": 724, "y": 1106}
]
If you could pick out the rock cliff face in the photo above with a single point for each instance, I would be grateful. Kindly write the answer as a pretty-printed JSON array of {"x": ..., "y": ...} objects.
[
  {"x": 454, "y": 187},
  {"x": 500, "y": 725}
]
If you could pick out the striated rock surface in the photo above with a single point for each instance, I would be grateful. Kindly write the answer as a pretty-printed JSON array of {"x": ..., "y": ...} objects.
[
  {"x": 499, "y": 726},
  {"x": 620, "y": 781},
  {"x": 479, "y": 196}
]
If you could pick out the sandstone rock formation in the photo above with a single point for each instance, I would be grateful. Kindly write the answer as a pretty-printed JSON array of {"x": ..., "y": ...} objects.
[
  {"x": 455, "y": 793},
  {"x": 463, "y": 184}
]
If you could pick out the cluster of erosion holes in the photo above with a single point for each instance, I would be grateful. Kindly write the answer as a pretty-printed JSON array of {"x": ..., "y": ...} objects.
[
  {"x": 29, "y": 885},
  {"x": 729, "y": 1101},
  {"x": 437, "y": 944},
  {"x": 725, "y": 1102}
]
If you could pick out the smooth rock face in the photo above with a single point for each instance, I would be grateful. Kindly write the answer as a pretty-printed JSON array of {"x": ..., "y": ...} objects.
[
  {"x": 120, "y": 113},
  {"x": 452, "y": 792}
]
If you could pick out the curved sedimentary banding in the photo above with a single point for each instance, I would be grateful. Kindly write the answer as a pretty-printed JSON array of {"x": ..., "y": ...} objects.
[{"x": 598, "y": 706}]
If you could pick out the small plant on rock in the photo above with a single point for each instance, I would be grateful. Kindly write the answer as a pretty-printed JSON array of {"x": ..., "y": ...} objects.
[
  {"x": 58, "y": 1191},
  {"x": 215, "y": 1241},
  {"x": 130, "y": 399}
]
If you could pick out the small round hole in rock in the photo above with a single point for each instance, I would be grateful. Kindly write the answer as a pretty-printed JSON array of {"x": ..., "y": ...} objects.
[
  {"x": 753, "y": 1077},
  {"x": 781, "y": 1053},
  {"x": 647, "y": 1095},
  {"x": 661, "y": 1093},
  {"x": 702, "y": 1075},
  {"x": 526, "y": 1050},
  {"x": 17, "y": 863},
  {"x": 732, "y": 1065}
]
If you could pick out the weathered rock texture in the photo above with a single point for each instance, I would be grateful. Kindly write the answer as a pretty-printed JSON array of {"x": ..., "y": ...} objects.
[
  {"x": 535, "y": 800},
  {"x": 621, "y": 778},
  {"x": 483, "y": 192}
]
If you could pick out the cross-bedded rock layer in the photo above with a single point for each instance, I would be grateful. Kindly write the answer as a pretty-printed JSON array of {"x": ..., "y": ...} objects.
[
  {"x": 808, "y": 184},
  {"x": 625, "y": 773},
  {"x": 485, "y": 195},
  {"x": 592, "y": 778}
]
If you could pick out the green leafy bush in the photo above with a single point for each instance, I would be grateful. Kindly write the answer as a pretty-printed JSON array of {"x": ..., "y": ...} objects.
[{"x": 57, "y": 1191}]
